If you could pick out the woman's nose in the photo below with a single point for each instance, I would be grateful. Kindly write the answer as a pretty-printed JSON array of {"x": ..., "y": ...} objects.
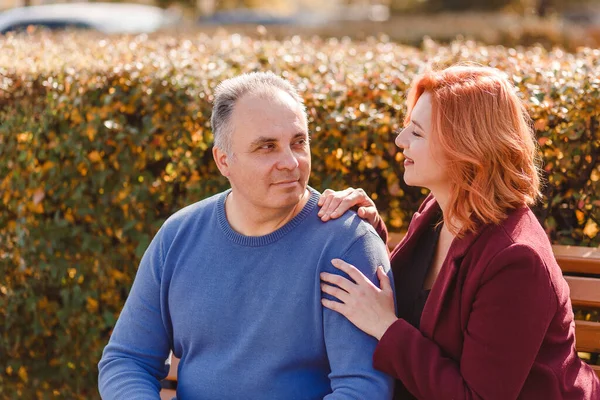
[{"x": 400, "y": 141}]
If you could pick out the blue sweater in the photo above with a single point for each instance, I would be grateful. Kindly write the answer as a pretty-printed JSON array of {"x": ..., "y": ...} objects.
[{"x": 244, "y": 313}]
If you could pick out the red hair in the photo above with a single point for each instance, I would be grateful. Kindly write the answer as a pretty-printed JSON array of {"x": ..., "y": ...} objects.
[{"x": 484, "y": 132}]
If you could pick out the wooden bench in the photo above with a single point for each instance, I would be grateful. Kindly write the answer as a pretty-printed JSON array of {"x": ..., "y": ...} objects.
[
  {"x": 169, "y": 384},
  {"x": 581, "y": 268}
]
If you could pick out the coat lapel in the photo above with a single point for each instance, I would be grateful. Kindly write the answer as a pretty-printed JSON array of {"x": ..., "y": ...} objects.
[
  {"x": 446, "y": 280},
  {"x": 419, "y": 223}
]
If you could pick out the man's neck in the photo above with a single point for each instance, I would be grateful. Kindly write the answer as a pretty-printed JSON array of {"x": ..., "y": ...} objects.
[{"x": 250, "y": 220}]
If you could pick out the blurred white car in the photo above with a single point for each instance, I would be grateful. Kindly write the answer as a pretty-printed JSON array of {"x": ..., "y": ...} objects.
[{"x": 102, "y": 17}]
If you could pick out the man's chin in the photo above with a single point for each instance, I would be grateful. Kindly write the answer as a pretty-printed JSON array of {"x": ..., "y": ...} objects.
[{"x": 289, "y": 197}]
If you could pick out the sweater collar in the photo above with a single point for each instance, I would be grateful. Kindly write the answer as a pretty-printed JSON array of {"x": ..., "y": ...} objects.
[{"x": 257, "y": 241}]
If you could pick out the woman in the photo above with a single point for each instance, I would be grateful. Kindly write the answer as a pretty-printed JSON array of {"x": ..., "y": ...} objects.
[{"x": 482, "y": 309}]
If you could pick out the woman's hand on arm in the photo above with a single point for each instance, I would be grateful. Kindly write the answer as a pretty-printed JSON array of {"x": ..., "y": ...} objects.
[
  {"x": 368, "y": 307},
  {"x": 334, "y": 204}
]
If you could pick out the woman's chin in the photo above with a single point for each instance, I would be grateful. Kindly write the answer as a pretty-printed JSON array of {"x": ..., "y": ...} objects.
[{"x": 409, "y": 181}]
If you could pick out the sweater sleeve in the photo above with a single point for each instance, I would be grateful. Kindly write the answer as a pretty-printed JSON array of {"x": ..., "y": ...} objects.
[
  {"x": 133, "y": 362},
  {"x": 511, "y": 312},
  {"x": 349, "y": 350}
]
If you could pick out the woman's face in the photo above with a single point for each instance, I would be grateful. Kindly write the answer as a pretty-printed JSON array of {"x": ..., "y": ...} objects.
[{"x": 423, "y": 161}]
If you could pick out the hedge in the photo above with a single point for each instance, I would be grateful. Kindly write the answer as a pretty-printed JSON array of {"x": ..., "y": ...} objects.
[{"x": 102, "y": 139}]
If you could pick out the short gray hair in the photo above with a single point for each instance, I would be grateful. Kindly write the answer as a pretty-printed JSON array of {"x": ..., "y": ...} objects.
[{"x": 231, "y": 90}]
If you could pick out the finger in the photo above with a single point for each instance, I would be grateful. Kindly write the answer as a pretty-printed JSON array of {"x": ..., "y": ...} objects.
[
  {"x": 344, "y": 205},
  {"x": 384, "y": 280},
  {"x": 369, "y": 214},
  {"x": 333, "y": 205},
  {"x": 325, "y": 206},
  {"x": 324, "y": 195},
  {"x": 332, "y": 202},
  {"x": 338, "y": 293},
  {"x": 351, "y": 270},
  {"x": 357, "y": 197},
  {"x": 334, "y": 305},
  {"x": 338, "y": 280}
]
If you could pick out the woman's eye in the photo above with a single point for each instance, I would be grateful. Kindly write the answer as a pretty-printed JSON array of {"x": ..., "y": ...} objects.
[{"x": 414, "y": 133}]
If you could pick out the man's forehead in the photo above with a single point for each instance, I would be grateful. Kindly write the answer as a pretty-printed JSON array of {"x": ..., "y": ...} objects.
[
  {"x": 269, "y": 113},
  {"x": 267, "y": 99}
]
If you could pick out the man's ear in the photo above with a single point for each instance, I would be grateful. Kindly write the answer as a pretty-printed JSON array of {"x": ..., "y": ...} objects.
[{"x": 222, "y": 161}]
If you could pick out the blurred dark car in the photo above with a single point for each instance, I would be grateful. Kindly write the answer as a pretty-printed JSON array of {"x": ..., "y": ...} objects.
[
  {"x": 102, "y": 17},
  {"x": 246, "y": 16}
]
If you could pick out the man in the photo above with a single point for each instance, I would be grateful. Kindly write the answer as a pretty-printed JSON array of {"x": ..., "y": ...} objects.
[{"x": 231, "y": 284}]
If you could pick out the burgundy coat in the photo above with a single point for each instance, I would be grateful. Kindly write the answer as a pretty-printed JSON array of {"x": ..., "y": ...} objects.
[{"x": 498, "y": 323}]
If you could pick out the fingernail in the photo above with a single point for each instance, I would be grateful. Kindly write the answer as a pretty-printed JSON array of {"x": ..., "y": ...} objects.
[{"x": 335, "y": 261}]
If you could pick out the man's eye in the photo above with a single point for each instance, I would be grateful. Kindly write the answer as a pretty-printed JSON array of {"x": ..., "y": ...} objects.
[
  {"x": 301, "y": 142},
  {"x": 268, "y": 146}
]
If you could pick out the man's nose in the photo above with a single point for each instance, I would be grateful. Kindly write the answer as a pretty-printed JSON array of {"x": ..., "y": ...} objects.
[{"x": 288, "y": 160}]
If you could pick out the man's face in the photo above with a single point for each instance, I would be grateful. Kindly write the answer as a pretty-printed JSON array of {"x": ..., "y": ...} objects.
[{"x": 269, "y": 164}]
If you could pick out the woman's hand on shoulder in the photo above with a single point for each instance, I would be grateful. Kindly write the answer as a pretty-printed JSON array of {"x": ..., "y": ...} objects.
[{"x": 334, "y": 204}]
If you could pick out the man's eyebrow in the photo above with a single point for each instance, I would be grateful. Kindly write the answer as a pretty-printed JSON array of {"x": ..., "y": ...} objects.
[
  {"x": 417, "y": 124},
  {"x": 300, "y": 135},
  {"x": 262, "y": 140}
]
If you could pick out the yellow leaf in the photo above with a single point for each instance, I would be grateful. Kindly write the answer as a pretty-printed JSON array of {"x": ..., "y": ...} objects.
[
  {"x": 23, "y": 374},
  {"x": 591, "y": 229},
  {"x": 92, "y": 305},
  {"x": 47, "y": 165},
  {"x": 82, "y": 169},
  {"x": 94, "y": 156},
  {"x": 24, "y": 137},
  {"x": 91, "y": 132},
  {"x": 580, "y": 216},
  {"x": 38, "y": 196}
]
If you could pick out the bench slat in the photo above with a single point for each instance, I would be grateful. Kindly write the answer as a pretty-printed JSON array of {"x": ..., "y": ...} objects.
[
  {"x": 585, "y": 260},
  {"x": 173, "y": 370},
  {"x": 596, "y": 369},
  {"x": 587, "y": 336},
  {"x": 585, "y": 292}
]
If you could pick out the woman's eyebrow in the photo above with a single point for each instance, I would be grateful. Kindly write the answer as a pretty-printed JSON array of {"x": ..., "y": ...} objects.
[{"x": 417, "y": 124}]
